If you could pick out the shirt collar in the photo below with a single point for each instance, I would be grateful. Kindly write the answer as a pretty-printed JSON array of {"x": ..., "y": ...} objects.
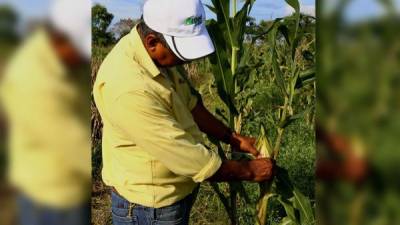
[{"x": 140, "y": 54}]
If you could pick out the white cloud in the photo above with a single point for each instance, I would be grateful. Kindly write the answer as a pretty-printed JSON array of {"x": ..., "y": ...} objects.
[{"x": 306, "y": 9}]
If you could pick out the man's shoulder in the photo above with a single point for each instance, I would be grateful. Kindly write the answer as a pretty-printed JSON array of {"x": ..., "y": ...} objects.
[
  {"x": 112, "y": 83},
  {"x": 119, "y": 69}
]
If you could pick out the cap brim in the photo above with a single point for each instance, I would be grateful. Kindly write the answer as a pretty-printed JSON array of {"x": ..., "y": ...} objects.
[{"x": 190, "y": 48}]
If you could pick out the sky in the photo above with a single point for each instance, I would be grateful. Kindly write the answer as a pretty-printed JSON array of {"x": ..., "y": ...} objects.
[{"x": 263, "y": 9}]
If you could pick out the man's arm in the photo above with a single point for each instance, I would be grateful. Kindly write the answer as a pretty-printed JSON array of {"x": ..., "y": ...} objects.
[
  {"x": 215, "y": 128},
  {"x": 211, "y": 125}
]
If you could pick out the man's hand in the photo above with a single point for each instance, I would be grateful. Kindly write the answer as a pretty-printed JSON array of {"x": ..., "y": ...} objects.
[
  {"x": 262, "y": 169},
  {"x": 244, "y": 144},
  {"x": 257, "y": 170}
]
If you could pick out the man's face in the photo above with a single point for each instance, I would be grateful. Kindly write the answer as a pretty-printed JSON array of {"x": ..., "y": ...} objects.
[{"x": 160, "y": 54}]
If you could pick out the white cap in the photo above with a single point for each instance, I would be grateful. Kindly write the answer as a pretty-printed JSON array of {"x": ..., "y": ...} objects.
[
  {"x": 73, "y": 18},
  {"x": 182, "y": 22}
]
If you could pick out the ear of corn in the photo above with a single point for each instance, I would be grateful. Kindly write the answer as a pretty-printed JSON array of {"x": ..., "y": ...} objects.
[{"x": 263, "y": 144}]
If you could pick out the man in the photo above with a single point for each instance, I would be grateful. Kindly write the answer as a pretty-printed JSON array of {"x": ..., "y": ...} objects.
[
  {"x": 45, "y": 93},
  {"x": 152, "y": 152}
]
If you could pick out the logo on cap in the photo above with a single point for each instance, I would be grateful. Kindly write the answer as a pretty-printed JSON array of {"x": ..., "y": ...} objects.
[{"x": 196, "y": 20}]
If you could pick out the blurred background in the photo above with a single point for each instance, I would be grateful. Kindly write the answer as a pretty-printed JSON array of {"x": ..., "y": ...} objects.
[
  {"x": 358, "y": 105},
  {"x": 45, "y": 173}
]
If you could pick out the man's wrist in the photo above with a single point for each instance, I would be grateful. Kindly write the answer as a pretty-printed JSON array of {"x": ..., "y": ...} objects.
[
  {"x": 246, "y": 172},
  {"x": 232, "y": 170},
  {"x": 228, "y": 136}
]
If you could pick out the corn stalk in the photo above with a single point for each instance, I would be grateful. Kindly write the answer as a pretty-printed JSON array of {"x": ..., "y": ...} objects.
[{"x": 231, "y": 61}]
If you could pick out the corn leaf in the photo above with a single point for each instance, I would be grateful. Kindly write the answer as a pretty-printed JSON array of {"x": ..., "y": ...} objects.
[
  {"x": 221, "y": 68},
  {"x": 276, "y": 21},
  {"x": 284, "y": 30},
  {"x": 262, "y": 205},
  {"x": 216, "y": 142},
  {"x": 289, "y": 193},
  {"x": 242, "y": 192},
  {"x": 303, "y": 204},
  {"x": 287, "y": 221},
  {"x": 289, "y": 209},
  {"x": 239, "y": 22},
  {"x": 221, "y": 196},
  {"x": 280, "y": 80},
  {"x": 211, "y": 8},
  {"x": 219, "y": 112},
  {"x": 296, "y": 6},
  {"x": 222, "y": 12},
  {"x": 306, "y": 77}
]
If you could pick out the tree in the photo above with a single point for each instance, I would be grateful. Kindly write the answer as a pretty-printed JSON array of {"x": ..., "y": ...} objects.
[
  {"x": 123, "y": 27},
  {"x": 101, "y": 20},
  {"x": 8, "y": 24}
]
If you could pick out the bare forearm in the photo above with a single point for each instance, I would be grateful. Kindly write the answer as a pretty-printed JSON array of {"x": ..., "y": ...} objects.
[{"x": 211, "y": 125}]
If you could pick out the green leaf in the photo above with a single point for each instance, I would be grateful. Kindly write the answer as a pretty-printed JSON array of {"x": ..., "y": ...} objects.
[
  {"x": 219, "y": 112},
  {"x": 216, "y": 142},
  {"x": 280, "y": 80},
  {"x": 291, "y": 119},
  {"x": 211, "y": 8},
  {"x": 306, "y": 77},
  {"x": 289, "y": 209},
  {"x": 222, "y": 12},
  {"x": 221, "y": 68},
  {"x": 307, "y": 55},
  {"x": 289, "y": 193},
  {"x": 221, "y": 196},
  {"x": 239, "y": 23},
  {"x": 287, "y": 221},
  {"x": 242, "y": 192},
  {"x": 295, "y": 43},
  {"x": 294, "y": 4},
  {"x": 304, "y": 206},
  {"x": 262, "y": 205},
  {"x": 277, "y": 20},
  {"x": 283, "y": 29}
]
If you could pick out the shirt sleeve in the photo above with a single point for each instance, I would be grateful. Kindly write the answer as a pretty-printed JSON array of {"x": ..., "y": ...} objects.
[{"x": 150, "y": 123}]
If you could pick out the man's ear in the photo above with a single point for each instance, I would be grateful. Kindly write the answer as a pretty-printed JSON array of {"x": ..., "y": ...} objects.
[{"x": 151, "y": 42}]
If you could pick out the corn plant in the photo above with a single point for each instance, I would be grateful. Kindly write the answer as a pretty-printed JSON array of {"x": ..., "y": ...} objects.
[{"x": 231, "y": 68}]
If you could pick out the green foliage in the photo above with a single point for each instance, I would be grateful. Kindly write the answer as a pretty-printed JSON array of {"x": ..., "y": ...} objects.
[
  {"x": 101, "y": 20},
  {"x": 288, "y": 45},
  {"x": 8, "y": 24}
]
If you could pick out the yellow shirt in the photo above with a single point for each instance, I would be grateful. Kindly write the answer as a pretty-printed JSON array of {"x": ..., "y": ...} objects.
[
  {"x": 49, "y": 142},
  {"x": 152, "y": 150}
]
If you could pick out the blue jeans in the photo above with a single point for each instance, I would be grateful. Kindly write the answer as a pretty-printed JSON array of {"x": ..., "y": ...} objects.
[
  {"x": 32, "y": 213},
  {"x": 126, "y": 213}
]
